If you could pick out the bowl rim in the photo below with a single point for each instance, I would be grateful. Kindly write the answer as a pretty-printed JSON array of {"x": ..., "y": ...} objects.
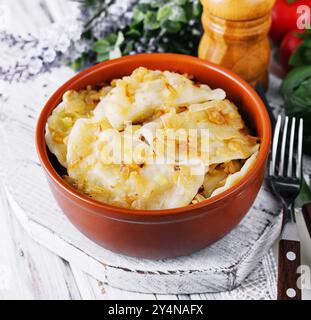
[{"x": 71, "y": 193}]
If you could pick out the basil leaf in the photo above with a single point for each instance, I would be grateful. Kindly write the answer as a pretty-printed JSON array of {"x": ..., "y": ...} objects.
[
  {"x": 180, "y": 2},
  {"x": 101, "y": 46},
  {"x": 128, "y": 47},
  {"x": 133, "y": 33},
  {"x": 302, "y": 55},
  {"x": 102, "y": 57},
  {"x": 76, "y": 64},
  {"x": 178, "y": 14},
  {"x": 304, "y": 196},
  {"x": 156, "y": 3},
  {"x": 164, "y": 13},
  {"x": 172, "y": 26},
  {"x": 294, "y": 79},
  {"x": 296, "y": 90},
  {"x": 138, "y": 16},
  {"x": 156, "y": 25},
  {"x": 196, "y": 8},
  {"x": 150, "y": 21}
]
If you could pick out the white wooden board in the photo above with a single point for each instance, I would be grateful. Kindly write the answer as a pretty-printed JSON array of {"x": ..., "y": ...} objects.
[
  {"x": 221, "y": 267},
  {"x": 217, "y": 268}
]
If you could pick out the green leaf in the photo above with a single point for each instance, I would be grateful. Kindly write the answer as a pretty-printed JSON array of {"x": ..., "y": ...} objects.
[
  {"x": 143, "y": 6},
  {"x": 196, "y": 8},
  {"x": 296, "y": 91},
  {"x": 307, "y": 56},
  {"x": 164, "y": 13},
  {"x": 302, "y": 55},
  {"x": 132, "y": 32},
  {"x": 76, "y": 65},
  {"x": 178, "y": 14},
  {"x": 156, "y": 3},
  {"x": 112, "y": 38},
  {"x": 138, "y": 15},
  {"x": 89, "y": 2},
  {"x": 180, "y": 2},
  {"x": 101, "y": 46},
  {"x": 294, "y": 79},
  {"x": 104, "y": 45},
  {"x": 128, "y": 47},
  {"x": 150, "y": 21},
  {"x": 172, "y": 26},
  {"x": 109, "y": 47},
  {"x": 102, "y": 57},
  {"x": 304, "y": 196}
]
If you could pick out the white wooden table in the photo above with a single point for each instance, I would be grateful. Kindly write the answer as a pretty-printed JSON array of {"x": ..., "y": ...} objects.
[{"x": 30, "y": 271}]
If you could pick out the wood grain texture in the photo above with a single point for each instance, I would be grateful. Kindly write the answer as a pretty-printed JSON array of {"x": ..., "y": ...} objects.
[
  {"x": 236, "y": 37},
  {"x": 92, "y": 289},
  {"x": 238, "y": 10},
  {"x": 288, "y": 276},
  {"x": 28, "y": 270}
]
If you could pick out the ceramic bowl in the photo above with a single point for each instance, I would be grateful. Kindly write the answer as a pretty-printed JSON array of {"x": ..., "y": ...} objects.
[{"x": 160, "y": 233}]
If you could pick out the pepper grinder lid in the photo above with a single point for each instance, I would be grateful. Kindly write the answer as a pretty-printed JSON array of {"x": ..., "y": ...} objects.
[{"x": 238, "y": 9}]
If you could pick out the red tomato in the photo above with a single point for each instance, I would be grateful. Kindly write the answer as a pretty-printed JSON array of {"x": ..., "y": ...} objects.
[
  {"x": 288, "y": 46},
  {"x": 284, "y": 17}
]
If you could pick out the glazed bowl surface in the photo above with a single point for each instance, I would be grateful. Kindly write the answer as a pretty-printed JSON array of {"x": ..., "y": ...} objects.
[{"x": 160, "y": 233}]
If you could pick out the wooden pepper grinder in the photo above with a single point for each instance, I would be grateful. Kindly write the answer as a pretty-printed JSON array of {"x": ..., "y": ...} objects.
[{"x": 236, "y": 36}]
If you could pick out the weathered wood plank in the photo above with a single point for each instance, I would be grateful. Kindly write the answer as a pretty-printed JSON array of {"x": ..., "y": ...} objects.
[
  {"x": 75, "y": 247},
  {"x": 27, "y": 187},
  {"x": 31, "y": 15},
  {"x": 91, "y": 288},
  {"x": 30, "y": 270}
]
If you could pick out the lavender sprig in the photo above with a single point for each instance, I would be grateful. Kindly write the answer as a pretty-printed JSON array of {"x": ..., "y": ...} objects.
[
  {"x": 116, "y": 17},
  {"x": 101, "y": 30},
  {"x": 25, "y": 56}
]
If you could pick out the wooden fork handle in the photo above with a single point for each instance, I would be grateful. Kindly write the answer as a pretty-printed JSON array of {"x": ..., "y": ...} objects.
[
  {"x": 289, "y": 262},
  {"x": 306, "y": 209}
]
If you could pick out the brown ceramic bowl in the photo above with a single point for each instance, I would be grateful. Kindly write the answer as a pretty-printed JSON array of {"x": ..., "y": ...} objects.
[{"x": 161, "y": 233}]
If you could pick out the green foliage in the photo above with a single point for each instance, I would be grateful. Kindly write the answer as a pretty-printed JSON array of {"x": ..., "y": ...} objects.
[
  {"x": 156, "y": 25},
  {"x": 296, "y": 91},
  {"x": 304, "y": 196},
  {"x": 302, "y": 56},
  {"x": 109, "y": 48}
]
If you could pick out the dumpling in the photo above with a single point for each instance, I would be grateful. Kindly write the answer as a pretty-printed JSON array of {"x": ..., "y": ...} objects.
[
  {"x": 218, "y": 122},
  {"x": 75, "y": 105},
  {"x": 98, "y": 172},
  {"x": 147, "y": 94},
  {"x": 152, "y": 140},
  {"x": 218, "y": 174}
]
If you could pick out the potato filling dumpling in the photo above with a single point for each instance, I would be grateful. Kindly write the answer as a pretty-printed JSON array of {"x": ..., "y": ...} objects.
[{"x": 152, "y": 140}]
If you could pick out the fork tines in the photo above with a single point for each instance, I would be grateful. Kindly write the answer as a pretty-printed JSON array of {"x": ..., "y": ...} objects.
[{"x": 286, "y": 154}]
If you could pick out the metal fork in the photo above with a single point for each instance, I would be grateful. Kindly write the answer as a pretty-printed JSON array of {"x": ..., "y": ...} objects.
[{"x": 285, "y": 175}]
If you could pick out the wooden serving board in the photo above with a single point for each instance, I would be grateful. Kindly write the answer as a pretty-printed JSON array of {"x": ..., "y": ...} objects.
[{"x": 221, "y": 267}]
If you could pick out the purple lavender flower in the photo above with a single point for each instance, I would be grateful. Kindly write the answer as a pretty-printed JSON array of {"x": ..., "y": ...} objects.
[
  {"x": 25, "y": 56},
  {"x": 117, "y": 17}
]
